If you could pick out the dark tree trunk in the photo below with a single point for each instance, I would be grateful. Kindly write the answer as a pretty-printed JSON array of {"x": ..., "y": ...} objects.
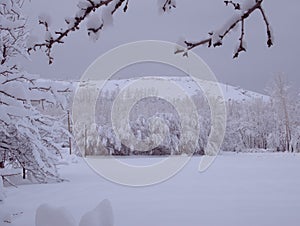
[
  {"x": 2, "y": 164},
  {"x": 24, "y": 173}
]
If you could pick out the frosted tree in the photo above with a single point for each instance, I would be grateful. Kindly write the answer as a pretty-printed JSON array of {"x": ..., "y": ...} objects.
[
  {"x": 255, "y": 125},
  {"x": 280, "y": 94},
  {"x": 296, "y": 124},
  {"x": 234, "y": 127},
  {"x": 249, "y": 125},
  {"x": 98, "y": 14},
  {"x": 204, "y": 120},
  {"x": 28, "y": 138}
]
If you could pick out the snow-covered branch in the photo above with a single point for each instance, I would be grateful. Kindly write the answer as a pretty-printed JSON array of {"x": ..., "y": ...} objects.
[
  {"x": 13, "y": 32},
  {"x": 216, "y": 38},
  {"x": 29, "y": 139},
  {"x": 168, "y": 5},
  {"x": 94, "y": 25}
]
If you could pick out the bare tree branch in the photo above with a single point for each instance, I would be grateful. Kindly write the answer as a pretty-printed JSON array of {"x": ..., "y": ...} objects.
[
  {"x": 235, "y": 5},
  {"x": 269, "y": 33},
  {"x": 216, "y": 39},
  {"x": 20, "y": 78},
  {"x": 48, "y": 44},
  {"x": 241, "y": 47},
  {"x": 168, "y": 5}
]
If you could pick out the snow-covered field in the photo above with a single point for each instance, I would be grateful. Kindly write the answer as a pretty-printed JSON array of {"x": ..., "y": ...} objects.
[{"x": 238, "y": 189}]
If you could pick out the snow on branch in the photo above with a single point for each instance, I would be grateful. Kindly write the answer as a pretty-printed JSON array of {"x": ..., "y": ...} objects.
[
  {"x": 215, "y": 39},
  {"x": 13, "y": 33},
  {"x": 86, "y": 8},
  {"x": 236, "y": 6},
  {"x": 6, "y": 70},
  {"x": 29, "y": 138},
  {"x": 96, "y": 23},
  {"x": 168, "y": 5}
]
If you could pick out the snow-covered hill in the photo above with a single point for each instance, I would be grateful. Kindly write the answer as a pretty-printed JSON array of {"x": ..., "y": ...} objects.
[{"x": 186, "y": 83}]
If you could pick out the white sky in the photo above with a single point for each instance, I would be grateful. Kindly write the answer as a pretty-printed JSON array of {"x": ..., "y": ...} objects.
[{"x": 191, "y": 19}]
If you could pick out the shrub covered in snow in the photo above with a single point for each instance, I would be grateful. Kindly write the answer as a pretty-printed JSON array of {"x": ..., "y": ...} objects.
[
  {"x": 28, "y": 138},
  {"x": 253, "y": 122}
]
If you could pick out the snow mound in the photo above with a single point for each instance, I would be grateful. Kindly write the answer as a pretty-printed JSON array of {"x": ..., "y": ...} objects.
[
  {"x": 47, "y": 215},
  {"x": 68, "y": 159},
  {"x": 102, "y": 215}
]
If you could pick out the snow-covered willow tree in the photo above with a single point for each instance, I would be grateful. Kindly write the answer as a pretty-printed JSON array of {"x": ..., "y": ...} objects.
[
  {"x": 98, "y": 14},
  {"x": 249, "y": 125},
  {"x": 285, "y": 110},
  {"x": 271, "y": 123},
  {"x": 295, "y": 119},
  {"x": 28, "y": 138},
  {"x": 254, "y": 123}
]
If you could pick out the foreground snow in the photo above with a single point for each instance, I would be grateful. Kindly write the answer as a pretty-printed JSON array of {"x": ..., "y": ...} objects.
[{"x": 238, "y": 189}]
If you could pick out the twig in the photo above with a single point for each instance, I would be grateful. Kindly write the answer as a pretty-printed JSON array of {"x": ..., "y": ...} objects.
[
  {"x": 8, "y": 181},
  {"x": 236, "y": 6},
  {"x": 48, "y": 44},
  {"x": 168, "y": 5},
  {"x": 241, "y": 47},
  {"x": 269, "y": 33},
  {"x": 241, "y": 19}
]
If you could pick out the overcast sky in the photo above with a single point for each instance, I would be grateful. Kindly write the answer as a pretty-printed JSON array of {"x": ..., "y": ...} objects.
[{"x": 191, "y": 19}]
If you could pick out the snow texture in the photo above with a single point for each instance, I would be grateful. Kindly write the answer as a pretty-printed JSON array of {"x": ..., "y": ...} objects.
[
  {"x": 93, "y": 25},
  {"x": 47, "y": 215},
  {"x": 247, "y": 4},
  {"x": 238, "y": 189},
  {"x": 102, "y": 215},
  {"x": 107, "y": 17}
]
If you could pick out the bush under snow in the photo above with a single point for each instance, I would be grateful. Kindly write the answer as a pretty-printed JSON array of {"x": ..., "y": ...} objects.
[{"x": 47, "y": 215}]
